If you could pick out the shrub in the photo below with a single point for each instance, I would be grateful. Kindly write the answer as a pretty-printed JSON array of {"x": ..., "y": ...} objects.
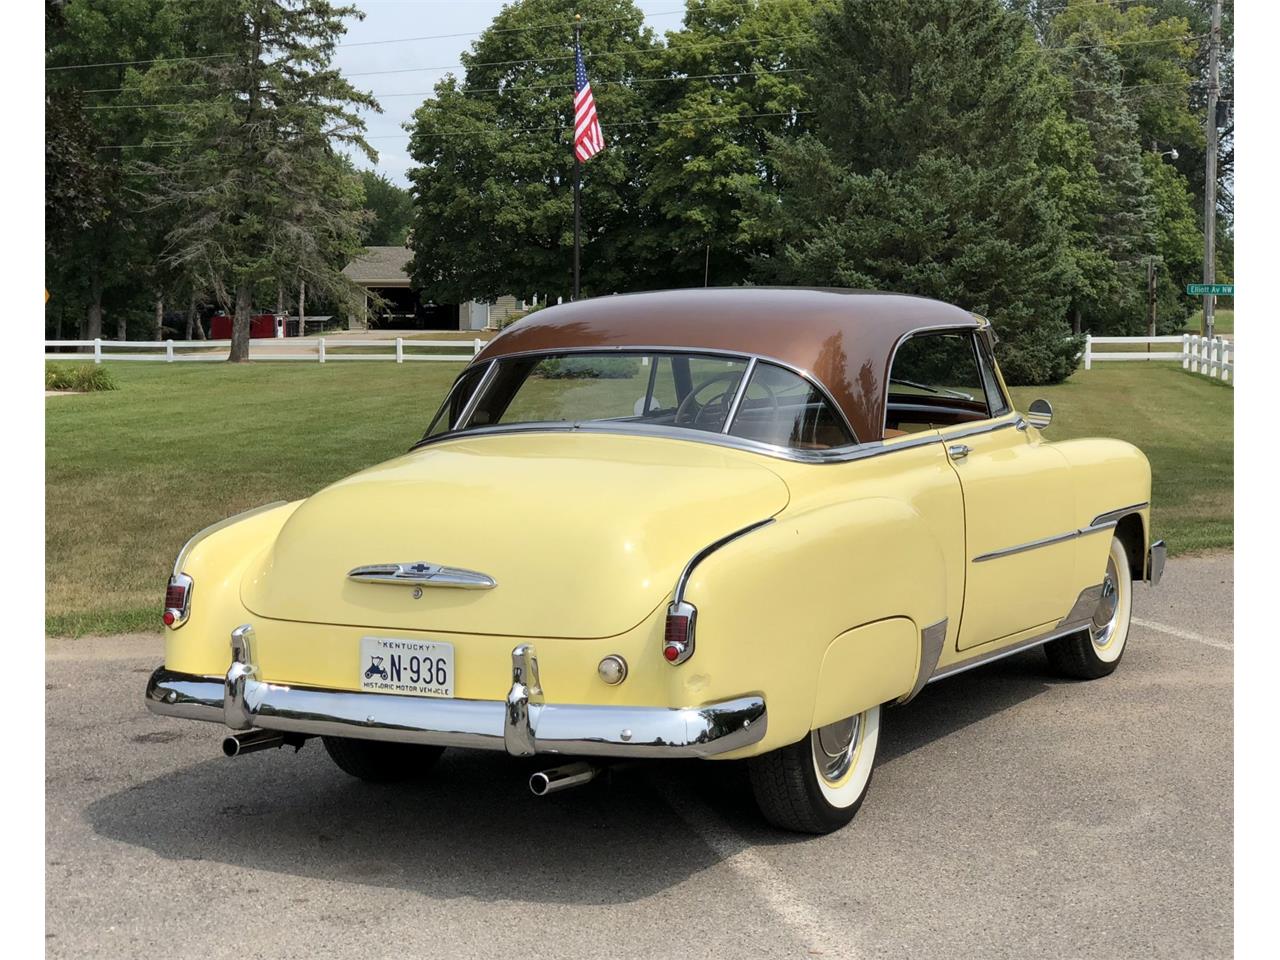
[
  {"x": 600, "y": 368},
  {"x": 84, "y": 377}
]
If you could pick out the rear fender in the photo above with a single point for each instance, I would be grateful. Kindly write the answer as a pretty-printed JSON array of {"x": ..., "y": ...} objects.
[{"x": 775, "y": 605}]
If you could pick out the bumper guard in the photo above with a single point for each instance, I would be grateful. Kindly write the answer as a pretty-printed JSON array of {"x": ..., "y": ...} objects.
[{"x": 522, "y": 724}]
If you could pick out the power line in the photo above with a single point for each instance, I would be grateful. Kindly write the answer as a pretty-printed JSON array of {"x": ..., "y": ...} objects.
[
  {"x": 1129, "y": 43},
  {"x": 508, "y": 89},
  {"x": 513, "y": 130},
  {"x": 562, "y": 25},
  {"x": 512, "y": 63}
]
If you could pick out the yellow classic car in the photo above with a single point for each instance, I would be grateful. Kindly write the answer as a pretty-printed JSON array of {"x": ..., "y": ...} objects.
[{"x": 731, "y": 524}]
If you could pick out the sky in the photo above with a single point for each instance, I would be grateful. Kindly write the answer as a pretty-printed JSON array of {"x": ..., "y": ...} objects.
[{"x": 427, "y": 59}]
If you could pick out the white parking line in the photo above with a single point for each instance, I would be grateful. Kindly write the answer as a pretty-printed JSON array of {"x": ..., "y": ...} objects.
[
  {"x": 1183, "y": 634},
  {"x": 767, "y": 883}
]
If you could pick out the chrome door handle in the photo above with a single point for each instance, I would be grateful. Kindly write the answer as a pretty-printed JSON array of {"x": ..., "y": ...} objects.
[{"x": 958, "y": 451}]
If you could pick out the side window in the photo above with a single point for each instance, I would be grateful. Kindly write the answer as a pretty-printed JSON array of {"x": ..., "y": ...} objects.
[
  {"x": 784, "y": 409},
  {"x": 936, "y": 381}
]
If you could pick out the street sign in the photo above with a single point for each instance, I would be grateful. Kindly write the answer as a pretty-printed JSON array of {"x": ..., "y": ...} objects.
[{"x": 1211, "y": 289}]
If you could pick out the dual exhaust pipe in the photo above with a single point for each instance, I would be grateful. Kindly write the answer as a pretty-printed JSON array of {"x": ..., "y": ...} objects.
[
  {"x": 562, "y": 778},
  {"x": 251, "y": 741},
  {"x": 541, "y": 784}
]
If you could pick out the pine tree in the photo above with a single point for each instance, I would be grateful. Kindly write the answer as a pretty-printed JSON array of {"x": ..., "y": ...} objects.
[
  {"x": 924, "y": 175},
  {"x": 1112, "y": 290},
  {"x": 258, "y": 192}
]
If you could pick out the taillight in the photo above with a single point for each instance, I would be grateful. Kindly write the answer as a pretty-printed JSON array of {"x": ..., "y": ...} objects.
[
  {"x": 677, "y": 642},
  {"x": 177, "y": 601}
]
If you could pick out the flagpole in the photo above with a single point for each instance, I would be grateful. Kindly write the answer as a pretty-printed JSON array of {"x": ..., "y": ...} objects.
[{"x": 577, "y": 180}]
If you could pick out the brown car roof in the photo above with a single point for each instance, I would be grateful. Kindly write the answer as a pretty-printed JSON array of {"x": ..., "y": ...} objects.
[{"x": 843, "y": 339}]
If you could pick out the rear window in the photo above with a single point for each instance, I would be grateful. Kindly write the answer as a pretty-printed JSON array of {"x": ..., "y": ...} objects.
[{"x": 782, "y": 408}]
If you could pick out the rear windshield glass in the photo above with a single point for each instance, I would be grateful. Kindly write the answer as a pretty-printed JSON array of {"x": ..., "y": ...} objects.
[{"x": 692, "y": 391}]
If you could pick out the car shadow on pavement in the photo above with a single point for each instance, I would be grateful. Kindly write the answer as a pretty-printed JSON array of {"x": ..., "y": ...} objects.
[{"x": 471, "y": 829}]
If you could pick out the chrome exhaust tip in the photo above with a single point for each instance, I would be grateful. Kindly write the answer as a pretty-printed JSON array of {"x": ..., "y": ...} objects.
[
  {"x": 253, "y": 740},
  {"x": 562, "y": 778}
]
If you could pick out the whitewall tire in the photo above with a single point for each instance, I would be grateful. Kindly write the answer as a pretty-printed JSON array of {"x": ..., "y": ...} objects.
[
  {"x": 817, "y": 784},
  {"x": 1096, "y": 650}
]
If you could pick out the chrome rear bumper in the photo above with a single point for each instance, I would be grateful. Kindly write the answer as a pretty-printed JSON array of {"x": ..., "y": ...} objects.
[{"x": 522, "y": 724}]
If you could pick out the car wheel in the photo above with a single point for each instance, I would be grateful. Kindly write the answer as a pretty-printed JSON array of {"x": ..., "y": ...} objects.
[
  {"x": 1095, "y": 651},
  {"x": 818, "y": 784},
  {"x": 378, "y": 761}
]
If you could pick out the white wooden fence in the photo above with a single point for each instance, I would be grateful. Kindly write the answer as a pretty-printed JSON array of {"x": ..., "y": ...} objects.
[
  {"x": 1214, "y": 358},
  {"x": 290, "y": 348}
]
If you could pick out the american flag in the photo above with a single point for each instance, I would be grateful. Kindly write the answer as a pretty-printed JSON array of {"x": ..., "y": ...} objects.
[{"x": 588, "y": 138}]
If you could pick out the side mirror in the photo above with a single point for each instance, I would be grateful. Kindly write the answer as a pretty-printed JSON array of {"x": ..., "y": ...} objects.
[{"x": 1040, "y": 414}]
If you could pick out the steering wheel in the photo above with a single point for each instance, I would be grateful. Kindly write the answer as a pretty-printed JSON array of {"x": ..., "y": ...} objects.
[
  {"x": 716, "y": 404},
  {"x": 690, "y": 412}
]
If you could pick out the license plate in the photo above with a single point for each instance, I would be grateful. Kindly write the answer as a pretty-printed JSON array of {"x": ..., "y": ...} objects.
[{"x": 419, "y": 668}]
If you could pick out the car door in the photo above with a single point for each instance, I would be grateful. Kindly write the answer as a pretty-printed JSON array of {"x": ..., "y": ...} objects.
[{"x": 1018, "y": 499}]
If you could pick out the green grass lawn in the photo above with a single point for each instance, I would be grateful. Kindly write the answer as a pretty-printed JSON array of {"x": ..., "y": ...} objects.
[
  {"x": 130, "y": 474},
  {"x": 1224, "y": 321},
  {"x": 1183, "y": 422}
]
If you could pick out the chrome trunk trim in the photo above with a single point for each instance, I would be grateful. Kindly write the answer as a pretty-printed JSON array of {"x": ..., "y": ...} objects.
[{"x": 422, "y": 574}]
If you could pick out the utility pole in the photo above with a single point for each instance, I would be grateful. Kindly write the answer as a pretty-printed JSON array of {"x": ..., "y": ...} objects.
[
  {"x": 1151, "y": 299},
  {"x": 1211, "y": 165}
]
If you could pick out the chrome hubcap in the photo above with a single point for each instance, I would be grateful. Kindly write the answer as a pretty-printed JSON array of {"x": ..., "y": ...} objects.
[
  {"x": 1103, "y": 625},
  {"x": 834, "y": 747}
]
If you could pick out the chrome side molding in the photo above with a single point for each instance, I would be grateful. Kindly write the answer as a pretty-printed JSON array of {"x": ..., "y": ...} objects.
[
  {"x": 1044, "y": 541},
  {"x": 421, "y": 574},
  {"x": 1114, "y": 516}
]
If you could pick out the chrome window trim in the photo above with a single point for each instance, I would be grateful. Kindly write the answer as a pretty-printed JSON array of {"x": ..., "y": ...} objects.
[
  {"x": 215, "y": 527},
  {"x": 1045, "y": 541},
  {"x": 453, "y": 388},
  {"x": 848, "y": 454},
  {"x": 738, "y": 394},
  {"x": 804, "y": 374},
  {"x": 893, "y": 355},
  {"x": 464, "y": 418},
  {"x": 1119, "y": 513}
]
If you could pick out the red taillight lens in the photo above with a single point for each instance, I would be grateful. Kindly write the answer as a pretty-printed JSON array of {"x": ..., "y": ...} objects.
[
  {"x": 177, "y": 601},
  {"x": 677, "y": 640},
  {"x": 677, "y": 629}
]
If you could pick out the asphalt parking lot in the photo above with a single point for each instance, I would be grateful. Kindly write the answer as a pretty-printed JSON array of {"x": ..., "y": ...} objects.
[{"x": 1011, "y": 815}]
